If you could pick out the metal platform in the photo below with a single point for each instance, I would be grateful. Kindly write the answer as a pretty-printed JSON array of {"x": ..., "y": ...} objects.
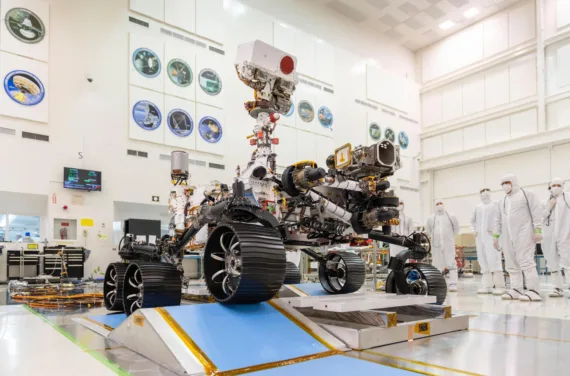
[{"x": 270, "y": 338}]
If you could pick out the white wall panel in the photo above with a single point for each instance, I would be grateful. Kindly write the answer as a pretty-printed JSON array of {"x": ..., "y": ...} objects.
[
  {"x": 452, "y": 102},
  {"x": 473, "y": 94},
  {"x": 497, "y": 87},
  {"x": 325, "y": 147},
  {"x": 458, "y": 181},
  {"x": 181, "y": 13},
  {"x": 432, "y": 147},
  {"x": 151, "y": 8},
  {"x": 306, "y": 146},
  {"x": 405, "y": 173},
  {"x": 562, "y": 13},
  {"x": 432, "y": 108},
  {"x": 531, "y": 168},
  {"x": 522, "y": 78},
  {"x": 495, "y": 34},
  {"x": 474, "y": 136},
  {"x": 210, "y": 19},
  {"x": 558, "y": 114},
  {"x": 523, "y": 123},
  {"x": 562, "y": 74},
  {"x": 287, "y": 148},
  {"x": 305, "y": 45},
  {"x": 521, "y": 24},
  {"x": 453, "y": 142},
  {"x": 284, "y": 38},
  {"x": 498, "y": 130},
  {"x": 559, "y": 159},
  {"x": 325, "y": 62},
  {"x": 388, "y": 89}
]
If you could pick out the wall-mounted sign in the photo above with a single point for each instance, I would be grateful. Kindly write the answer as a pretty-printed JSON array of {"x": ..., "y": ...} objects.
[
  {"x": 180, "y": 72},
  {"x": 146, "y": 62},
  {"x": 375, "y": 131},
  {"x": 24, "y": 88},
  {"x": 306, "y": 111},
  {"x": 147, "y": 115},
  {"x": 210, "y": 129},
  {"x": 180, "y": 122},
  {"x": 325, "y": 117},
  {"x": 210, "y": 82},
  {"x": 25, "y": 25}
]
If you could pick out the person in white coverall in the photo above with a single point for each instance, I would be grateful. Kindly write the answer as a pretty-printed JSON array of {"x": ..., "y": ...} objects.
[
  {"x": 489, "y": 258},
  {"x": 519, "y": 226},
  {"x": 406, "y": 227},
  {"x": 556, "y": 233},
  {"x": 442, "y": 228}
]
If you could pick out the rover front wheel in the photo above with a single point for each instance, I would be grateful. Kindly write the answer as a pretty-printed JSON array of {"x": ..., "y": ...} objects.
[
  {"x": 244, "y": 263},
  {"x": 292, "y": 274}
]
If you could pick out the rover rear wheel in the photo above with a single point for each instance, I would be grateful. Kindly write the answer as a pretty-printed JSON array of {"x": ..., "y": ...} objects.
[
  {"x": 344, "y": 273},
  {"x": 423, "y": 279},
  {"x": 113, "y": 286},
  {"x": 151, "y": 284},
  {"x": 244, "y": 263}
]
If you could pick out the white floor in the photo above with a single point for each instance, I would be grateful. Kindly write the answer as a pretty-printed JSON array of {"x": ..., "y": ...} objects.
[
  {"x": 30, "y": 346},
  {"x": 467, "y": 299}
]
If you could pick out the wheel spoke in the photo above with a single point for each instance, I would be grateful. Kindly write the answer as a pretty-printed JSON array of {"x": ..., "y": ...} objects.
[
  {"x": 110, "y": 293},
  {"x": 132, "y": 296},
  {"x": 233, "y": 247},
  {"x": 113, "y": 275},
  {"x": 136, "y": 286},
  {"x": 218, "y": 273},
  {"x": 222, "y": 242},
  {"x": 213, "y": 255},
  {"x": 224, "y": 285},
  {"x": 132, "y": 306},
  {"x": 138, "y": 280},
  {"x": 111, "y": 284}
]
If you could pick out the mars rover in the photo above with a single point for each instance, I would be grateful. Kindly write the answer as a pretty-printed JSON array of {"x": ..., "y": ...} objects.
[{"x": 266, "y": 213}]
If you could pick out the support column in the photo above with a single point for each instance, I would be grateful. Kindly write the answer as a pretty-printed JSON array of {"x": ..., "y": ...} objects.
[{"x": 540, "y": 70}]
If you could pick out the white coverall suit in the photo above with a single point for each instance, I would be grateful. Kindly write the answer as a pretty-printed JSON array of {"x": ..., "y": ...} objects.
[
  {"x": 442, "y": 228},
  {"x": 519, "y": 224},
  {"x": 489, "y": 258},
  {"x": 556, "y": 235},
  {"x": 406, "y": 227}
]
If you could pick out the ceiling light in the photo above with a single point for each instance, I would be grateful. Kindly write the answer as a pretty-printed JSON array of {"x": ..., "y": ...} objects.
[
  {"x": 446, "y": 25},
  {"x": 470, "y": 13}
]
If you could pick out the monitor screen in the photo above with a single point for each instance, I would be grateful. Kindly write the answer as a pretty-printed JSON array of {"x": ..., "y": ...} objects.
[{"x": 86, "y": 180}]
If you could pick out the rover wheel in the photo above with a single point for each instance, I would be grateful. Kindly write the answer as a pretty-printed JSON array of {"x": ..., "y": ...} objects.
[
  {"x": 151, "y": 284},
  {"x": 113, "y": 286},
  {"x": 244, "y": 263},
  {"x": 344, "y": 273},
  {"x": 423, "y": 279},
  {"x": 292, "y": 274}
]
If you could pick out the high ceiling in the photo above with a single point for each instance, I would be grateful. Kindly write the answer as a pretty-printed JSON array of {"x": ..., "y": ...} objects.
[{"x": 413, "y": 23}]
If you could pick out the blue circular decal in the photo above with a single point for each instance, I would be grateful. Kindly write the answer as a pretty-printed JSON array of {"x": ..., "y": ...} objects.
[
  {"x": 210, "y": 129},
  {"x": 146, "y": 62},
  {"x": 24, "y": 88},
  {"x": 147, "y": 115},
  {"x": 403, "y": 140},
  {"x": 180, "y": 122},
  {"x": 291, "y": 110},
  {"x": 325, "y": 117}
]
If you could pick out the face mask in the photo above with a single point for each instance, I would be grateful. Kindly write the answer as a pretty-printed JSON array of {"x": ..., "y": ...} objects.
[
  {"x": 439, "y": 208},
  {"x": 486, "y": 195},
  {"x": 507, "y": 188},
  {"x": 401, "y": 208},
  {"x": 556, "y": 190}
]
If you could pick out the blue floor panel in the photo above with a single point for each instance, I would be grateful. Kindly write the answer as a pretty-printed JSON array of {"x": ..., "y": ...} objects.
[
  {"x": 338, "y": 365},
  {"x": 244, "y": 335},
  {"x": 312, "y": 289},
  {"x": 112, "y": 320}
]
